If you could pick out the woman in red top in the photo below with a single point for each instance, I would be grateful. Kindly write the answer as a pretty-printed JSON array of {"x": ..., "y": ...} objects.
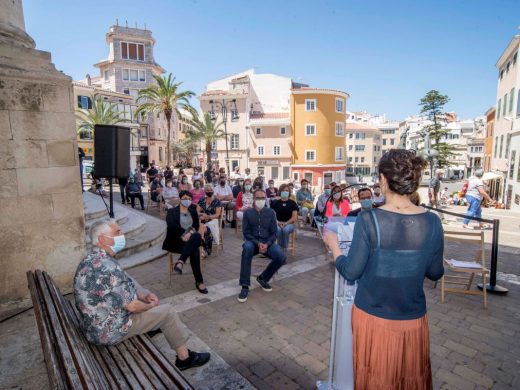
[{"x": 338, "y": 204}]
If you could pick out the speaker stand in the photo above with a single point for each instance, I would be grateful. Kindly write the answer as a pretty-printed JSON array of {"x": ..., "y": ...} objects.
[{"x": 111, "y": 212}]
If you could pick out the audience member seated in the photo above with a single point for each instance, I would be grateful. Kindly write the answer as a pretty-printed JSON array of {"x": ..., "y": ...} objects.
[
  {"x": 271, "y": 191},
  {"x": 379, "y": 198},
  {"x": 305, "y": 201},
  {"x": 244, "y": 199},
  {"x": 197, "y": 175},
  {"x": 183, "y": 236},
  {"x": 339, "y": 206},
  {"x": 114, "y": 307},
  {"x": 209, "y": 209},
  {"x": 183, "y": 185},
  {"x": 237, "y": 188},
  {"x": 133, "y": 190},
  {"x": 168, "y": 173},
  {"x": 170, "y": 194},
  {"x": 223, "y": 191},
  {"x": 286, "y": 215},
  {"x": 260, "y": 229},
  {"x": 365, "y": 199},
  {"x": 322, "y": 200},
  {"x": 197, "y": 193},
  {"x": 156, "y": 189},
  {"x": 292, "y": 193}
]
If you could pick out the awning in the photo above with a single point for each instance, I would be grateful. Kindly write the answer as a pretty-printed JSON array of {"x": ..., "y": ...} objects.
[{"x": 491, "y": 176}]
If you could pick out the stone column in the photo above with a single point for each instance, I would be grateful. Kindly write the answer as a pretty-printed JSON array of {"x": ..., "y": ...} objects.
[{"x": 41, "y": 206}]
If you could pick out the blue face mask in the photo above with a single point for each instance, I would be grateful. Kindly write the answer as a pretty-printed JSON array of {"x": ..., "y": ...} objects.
[
  {"x": 186, "y": 202},
  {"x": 327, "y": 191},
  {"x": 119, "y": 243},
  {"x": 284, "y": 194},
  {"x": 366, "y": 203}
]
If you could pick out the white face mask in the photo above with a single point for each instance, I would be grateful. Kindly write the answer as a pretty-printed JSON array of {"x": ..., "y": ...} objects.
[
  {"x": 260, "y": 203},
  {"x": 119, "y": 243}
]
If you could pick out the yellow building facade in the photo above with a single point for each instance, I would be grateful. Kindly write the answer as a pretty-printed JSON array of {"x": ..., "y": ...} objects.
[{"x": 318, "y": 119}]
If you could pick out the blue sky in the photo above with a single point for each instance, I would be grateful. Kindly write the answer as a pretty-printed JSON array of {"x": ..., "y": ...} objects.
[{"x": 387, "y": 53}]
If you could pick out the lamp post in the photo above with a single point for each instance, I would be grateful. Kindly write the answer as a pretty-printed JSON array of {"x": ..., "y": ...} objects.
[{"x": 222, "y": 106}]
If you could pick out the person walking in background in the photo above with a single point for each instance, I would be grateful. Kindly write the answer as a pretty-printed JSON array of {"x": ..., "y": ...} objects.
[
  {"x": 305, "y": 202},
  {"x": 474, "y": 195},
  {"x": 260, "y": 228},
  {"x": 123, "y": 181},
  {"x": 394, "y": 248}
]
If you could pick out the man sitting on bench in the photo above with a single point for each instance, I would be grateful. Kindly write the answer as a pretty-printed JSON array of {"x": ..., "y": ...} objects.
[{"x": 115, "y": 307}]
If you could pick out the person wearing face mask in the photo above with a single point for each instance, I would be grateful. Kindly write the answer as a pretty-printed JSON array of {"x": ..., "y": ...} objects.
[
  {"x": 322, "y": 200},
  {"x": 223, "y": 191},
  {"x": 365, "y": 199},
  {"x": 244, "y": 199},
  {"x": 291, "y": 192},
  {"x": 156, "y": 189},
  {"x": 197, "y": 193},
  {"x": 184, "y": 185},
  {"x": 114, "y": 307},
  {"x": 286, "y": 214},
  {"x": 209, "y": 209},
  {"x": 305, "y": 201},
  {"x": 170, "y": 194},
  {"x": 133, "y": 190},
  {"x": 237, "y": 188},
  {"x": 338, "y": 205},
  {"x": 271, "y": 191},
  {"x": 379, "y": 198},
  {"x": 259, "y": 227},
  {"x": 183, "y": 237}
]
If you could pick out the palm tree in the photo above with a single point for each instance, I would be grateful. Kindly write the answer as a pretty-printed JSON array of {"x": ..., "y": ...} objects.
[
  {"x": 206, "y": 130},
  {"x": 102, "y": 113},
  {"x": 164, "y": 98},
  {"x": 183, "y": 149}
]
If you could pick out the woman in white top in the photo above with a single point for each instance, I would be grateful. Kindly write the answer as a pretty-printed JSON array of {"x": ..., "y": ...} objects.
[{"x": 170, "y": 194}]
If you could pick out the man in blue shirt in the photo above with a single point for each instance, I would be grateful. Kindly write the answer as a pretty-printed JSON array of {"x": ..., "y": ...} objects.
[{"x": 260, "y": 228}]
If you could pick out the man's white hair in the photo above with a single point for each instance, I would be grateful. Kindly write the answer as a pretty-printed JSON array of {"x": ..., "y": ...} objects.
[{"x": 99, "y": 228}]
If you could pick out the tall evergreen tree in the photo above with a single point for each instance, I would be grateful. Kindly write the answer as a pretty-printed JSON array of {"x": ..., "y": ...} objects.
[{"x": 432, "y": 104}]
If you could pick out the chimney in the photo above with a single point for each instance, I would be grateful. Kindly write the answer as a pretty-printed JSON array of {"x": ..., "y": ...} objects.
[{"x": 89, "y": 80}]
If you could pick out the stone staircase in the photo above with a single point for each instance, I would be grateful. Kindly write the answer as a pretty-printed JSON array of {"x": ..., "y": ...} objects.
[{"x": 144, "y": 234}]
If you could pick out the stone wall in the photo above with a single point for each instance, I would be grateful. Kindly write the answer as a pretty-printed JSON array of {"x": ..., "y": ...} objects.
[{"x": 41, "y": 206}]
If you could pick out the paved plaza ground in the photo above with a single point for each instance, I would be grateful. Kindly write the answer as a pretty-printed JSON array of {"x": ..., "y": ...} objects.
[{"x": 281, "y": 339}]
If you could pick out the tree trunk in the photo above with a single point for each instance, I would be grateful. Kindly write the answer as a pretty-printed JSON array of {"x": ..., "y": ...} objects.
[
  {"x": 168, "y": 116},
  {"x": 208, "y": 153}
]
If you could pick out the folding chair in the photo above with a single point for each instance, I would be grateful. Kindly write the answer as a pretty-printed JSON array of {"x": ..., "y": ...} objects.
[
  {"x": 152, "y": 204},
  {"x": 461, "y": 275}
]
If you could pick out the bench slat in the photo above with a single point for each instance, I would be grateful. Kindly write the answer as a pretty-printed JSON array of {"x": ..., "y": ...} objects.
[
  {"x": 89, "y": 368},
  {"x": 144, "y": 365},
  {"x": 72, "y": 375},
  {"x": 136, "y": 369},
  {"x": 56, "y": 379},
  {"x": 125, "y": 369}
]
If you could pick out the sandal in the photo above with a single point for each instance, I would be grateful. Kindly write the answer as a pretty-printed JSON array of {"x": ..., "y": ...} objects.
[
  {"x": 178, "y": 269},
  {"x": 202, "y": 291}
]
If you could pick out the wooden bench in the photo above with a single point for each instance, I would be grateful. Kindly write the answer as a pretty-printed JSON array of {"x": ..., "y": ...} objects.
[{"x": 74, "y": 363}]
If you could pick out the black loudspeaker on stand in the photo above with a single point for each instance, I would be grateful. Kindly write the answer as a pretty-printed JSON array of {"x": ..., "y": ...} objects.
[{"x": 111, "y": 154}]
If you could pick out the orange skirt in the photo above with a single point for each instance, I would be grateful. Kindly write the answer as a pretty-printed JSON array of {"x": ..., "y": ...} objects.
[{"x": 390, "y": 354}]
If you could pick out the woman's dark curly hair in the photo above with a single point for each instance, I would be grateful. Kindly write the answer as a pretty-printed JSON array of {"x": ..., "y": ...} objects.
[{"x": 402, "y": 170}]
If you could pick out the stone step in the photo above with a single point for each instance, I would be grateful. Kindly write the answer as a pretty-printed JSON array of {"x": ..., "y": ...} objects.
[
  {"x": 153, "y": 234},
  {"x": 153, "y": 253},
  {"x": 94, "y": 206}
]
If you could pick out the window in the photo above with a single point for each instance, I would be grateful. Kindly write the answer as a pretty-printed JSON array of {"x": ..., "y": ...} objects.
[
  {"x": 286, "y": 173},
  {"x": 501, "y": 145},
  {"x": 105, "y": 74},
  {"x": 351, "y": 135},
  {"x": 496, "y": 146},
  {"x": 339, "y": 153},
  {"x": 505, "y": 105},
  {"x": 132, "y": 51},
  {"x": 514, "y": 58},
  {"x": 511, "y": 99},
  {"x": 126, "y": 91},
  {"x": 234, "y": 141},
  {"x": 296, "y": 176},
  {"x": 125, "y": 74},
  {"x": 84, "y": 102},
  {"x": 392, "y": 141},
  {"x": 362, "y": 159},
  {"x": 308, "y": 176},
  {"x": 498, "y": 108},
  {"x": 213, "y": 144},
  {"x": 310, "y": 129},
  {"x": 384, "y": 141},
  {"x": 234, "y": 164},
  {"x": 134, "y": 75},
  {"x": 350, "y": 147},
  {"x": 507, "y": 67},
  {"x": 375, "y": 148},
  {"x": 508, "y": 144},
  {"x": 160, "y": 153},
  {"x": 258, "y": 131},
  {"x": 340, "y": 129},
  {"x": 518, "y": 104},
  {"x": 350, "y": 159},
  {"x": 310, "y": 155},
  {"x": 512, "y": 164},
  {"x": 283, "y": 131},
  {"x": 501, "y": 74},
  {"x": 274, "y": 173},
  {"x": 360, "y": 135},
  {"x": 360, "y": 148},
  {"x": 260, "y": 150},
  {"x": 260, "y": 171},
  {"x": 276, "y": 150},
  {"x": 356, "y": 159},
  {"x": 310, "y": 104},
  {"x": 340, "y": 105}
]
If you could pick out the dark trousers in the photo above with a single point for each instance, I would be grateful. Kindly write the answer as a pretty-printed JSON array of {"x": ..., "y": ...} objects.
[
  {"x": 191, "y": 250},
  {"x": 124, "y": 198},
  {"x": 250, "y": 249},
  {"x": 138, "y": 196}
]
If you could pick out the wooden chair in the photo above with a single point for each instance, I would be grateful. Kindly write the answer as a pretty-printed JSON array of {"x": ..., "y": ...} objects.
[
  {"x": 292, "y": 241},
  {"x": 220, "y": 246},
  {"x": 462, "y": 276},
  {"x": 150, "y": 204}
]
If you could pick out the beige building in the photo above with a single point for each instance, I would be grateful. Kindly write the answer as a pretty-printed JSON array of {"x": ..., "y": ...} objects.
[
  {"x": 364, "y": 150},
  {"x": 389, "y": 135}
]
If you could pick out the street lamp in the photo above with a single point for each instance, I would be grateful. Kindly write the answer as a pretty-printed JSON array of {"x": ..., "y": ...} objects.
[{"x": 223, "y": 108}]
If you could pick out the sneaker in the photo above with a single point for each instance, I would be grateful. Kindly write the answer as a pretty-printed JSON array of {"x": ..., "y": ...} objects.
[
  {"x": 265, "y": 286},
  {"x": 242, "y": 297},
  {"x": 195, "y": 359}
]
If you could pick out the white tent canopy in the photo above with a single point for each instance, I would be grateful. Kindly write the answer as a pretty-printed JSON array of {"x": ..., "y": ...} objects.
[{"x": 491, "y": 176}]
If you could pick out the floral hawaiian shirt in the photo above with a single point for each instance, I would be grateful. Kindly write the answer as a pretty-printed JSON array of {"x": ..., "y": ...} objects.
[{"x": 102, "y": 290}]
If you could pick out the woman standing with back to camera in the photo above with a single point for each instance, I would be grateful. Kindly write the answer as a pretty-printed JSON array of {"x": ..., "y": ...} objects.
[{"x": 393, "y": 249}]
